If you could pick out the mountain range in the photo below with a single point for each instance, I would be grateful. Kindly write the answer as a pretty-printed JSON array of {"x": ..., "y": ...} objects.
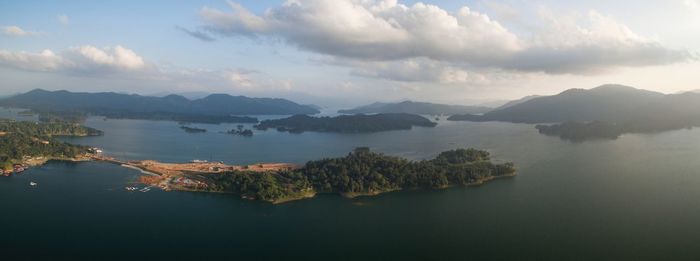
[
  {"x": 609, "y": 107},
  {"x": 213, "y": 108},
  {"x": 214, "y": 104}
]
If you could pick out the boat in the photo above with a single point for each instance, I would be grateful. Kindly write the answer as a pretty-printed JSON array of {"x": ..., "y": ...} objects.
[
  {"x": 33, "y": 184},
  {"x": 130, "y": 188},
  {"x": 146, "y": 189}
]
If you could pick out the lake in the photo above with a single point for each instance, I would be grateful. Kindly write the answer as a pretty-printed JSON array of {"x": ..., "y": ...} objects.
[{"x": 634, "y": 198}]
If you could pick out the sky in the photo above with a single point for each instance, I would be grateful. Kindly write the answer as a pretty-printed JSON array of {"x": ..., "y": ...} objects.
[{"x": 349, "y": 52}]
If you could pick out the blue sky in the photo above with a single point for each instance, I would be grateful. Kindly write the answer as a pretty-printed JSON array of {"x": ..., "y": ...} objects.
[{"x": 349, "y": 52}]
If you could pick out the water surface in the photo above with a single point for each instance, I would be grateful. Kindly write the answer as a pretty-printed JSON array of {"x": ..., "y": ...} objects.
[{"x": 633, "y": 198}]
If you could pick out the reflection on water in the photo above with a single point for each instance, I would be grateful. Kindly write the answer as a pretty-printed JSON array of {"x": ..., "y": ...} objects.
[{"x": 631, "y": 198}]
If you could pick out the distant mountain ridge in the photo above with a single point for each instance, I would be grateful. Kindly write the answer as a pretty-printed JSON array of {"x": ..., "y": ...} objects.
[
  {"x": 214, "y": 104},
  {"x": 608, "y": 110},
  {"x": 604, "y": 103},
  {"x": 516, "y": 102},
  {"x": 416, "y": 108}
]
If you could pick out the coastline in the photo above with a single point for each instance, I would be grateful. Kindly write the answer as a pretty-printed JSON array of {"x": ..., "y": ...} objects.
[
  {"x": 41, "y": 160},
  {"x": 185, "y": 177}
]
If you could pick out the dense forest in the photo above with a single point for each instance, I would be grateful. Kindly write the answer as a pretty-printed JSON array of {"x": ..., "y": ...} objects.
[
  {"x": 347, "y": 123},
  {"x": 46, "y": 129},
  {"x": 21, "y": 139},
  {"x": 364, "y": 173}
]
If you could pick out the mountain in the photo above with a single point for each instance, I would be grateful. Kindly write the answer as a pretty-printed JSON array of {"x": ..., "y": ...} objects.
[
  {"x": 605, "y": 110},
  {"x": 604, "y": 103},
  {"x": 217, "y": 106},
  {"x": 516, "y": 102},
  {"x": 416, "y": 108}
]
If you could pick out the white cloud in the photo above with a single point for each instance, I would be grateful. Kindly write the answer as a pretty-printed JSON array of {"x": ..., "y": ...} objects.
[
  {"x": 63, "y": 19},
  {"x": 16, "y": 31},
  {"x": 408, "y": 70},
  {"x": 44, "y": 61},
  {"x": 124, "y": 65},
  {"x": 83, "y": 59},
  {"x": 386, "y": 38},
  {"x": 376, "y": 30},
  {"x": 694, "y": 5}
]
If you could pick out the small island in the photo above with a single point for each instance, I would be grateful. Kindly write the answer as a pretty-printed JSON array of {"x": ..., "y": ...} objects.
[
  {"x": 347, "y": 123},
  {"x": 192, "y": 130},
  {"x": 582, "y": 131},
  {"x": 241, "y": 131},
  {"x": 360, "y": 173},
  {"x": 31, "y": 144}
]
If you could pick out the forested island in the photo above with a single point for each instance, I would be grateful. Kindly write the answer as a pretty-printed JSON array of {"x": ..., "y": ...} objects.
[
  {"x": 361, "y": 172},
  {"x": 347, "y": 123},
  {"x": 34, "y": 143},
  {"x": 241, "y": 131},
  {"x": 582, "y": 131},
  {"x": 192, "y": 130}
]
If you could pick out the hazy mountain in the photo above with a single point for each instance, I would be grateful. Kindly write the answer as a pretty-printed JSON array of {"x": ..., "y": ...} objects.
[
  {"x": 219, "y": 105},
  {"x": 604, "y": 103},
  {"x": 188, "y": 95},
  {"x": 516, "y": 102},
  {"x": 416, "y": 108},
  {"x": 607, "y": 110}
]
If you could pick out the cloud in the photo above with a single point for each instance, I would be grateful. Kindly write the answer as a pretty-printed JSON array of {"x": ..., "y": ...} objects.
[
  {"x": 16, "y": 31},
  {"x": 386, "y": 31},
  {"x": 409, "y": 70},
  {"x": 371, "y": 30},
  {"x": 693, "y": 5},
  {"x": 197, "y": 34},
  {"x": 63, "y": 19},
  {"x": 121, "y": 64},
  {"x": 83, "y": 59}
]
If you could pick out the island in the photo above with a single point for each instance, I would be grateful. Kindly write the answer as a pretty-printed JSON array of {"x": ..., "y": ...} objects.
[
  {"x": 192, "y": 130},
  {"x": 582, "y": 131},
  {"x": 31, "y": 144},
  {"x": 241, "y": 131},
  {"x": 347, "y": 123},
  {"x": 360, "y": 173}
]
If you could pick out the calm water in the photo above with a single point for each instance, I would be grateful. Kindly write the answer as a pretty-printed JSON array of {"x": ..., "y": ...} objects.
[{"x": 635, "y": 198}]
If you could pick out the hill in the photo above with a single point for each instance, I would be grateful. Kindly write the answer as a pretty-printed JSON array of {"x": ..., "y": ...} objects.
[
  {"x": 347, "y": 123},
  {"x": 622, "y": 109},
  {"x": 516, "y": 102},
  {"x": 214, "y": 108},
  {"x": 412, "y": 107}
]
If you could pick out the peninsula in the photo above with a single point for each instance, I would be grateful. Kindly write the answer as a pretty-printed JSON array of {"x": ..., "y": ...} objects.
[
  {"x": 360, "y": 173},
  {"x": 29, "y": 143}
]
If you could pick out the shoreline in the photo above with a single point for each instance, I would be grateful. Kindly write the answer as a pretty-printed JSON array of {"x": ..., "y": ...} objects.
[{"x": 185, "y": 180}]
